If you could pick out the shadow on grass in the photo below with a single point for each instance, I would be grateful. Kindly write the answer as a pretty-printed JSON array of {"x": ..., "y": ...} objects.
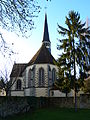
[{"x": 52, "y": 114}]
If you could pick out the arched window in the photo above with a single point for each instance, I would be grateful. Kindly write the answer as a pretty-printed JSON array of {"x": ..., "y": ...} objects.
[
  {"x": 53, "y": 75},
  {"x": 41, "y": 77},
  {"x": 18, "y": 84},
  {"x": 49, "y": 76},
  {"x": 30, "y": 77},
  {"x": 50, "y": 73}
]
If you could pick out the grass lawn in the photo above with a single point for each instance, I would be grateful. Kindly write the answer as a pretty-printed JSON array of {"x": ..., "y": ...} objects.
[{"x": 54, "y": 114}]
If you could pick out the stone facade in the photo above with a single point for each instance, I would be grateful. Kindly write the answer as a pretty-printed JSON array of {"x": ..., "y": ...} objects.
[{"x": 31, "y": 87}]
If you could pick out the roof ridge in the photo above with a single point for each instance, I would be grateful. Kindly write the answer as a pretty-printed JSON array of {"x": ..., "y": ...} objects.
[{"x": 34, "y": 57}]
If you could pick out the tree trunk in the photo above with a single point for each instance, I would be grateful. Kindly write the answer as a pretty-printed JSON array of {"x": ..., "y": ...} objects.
[
  {"x": 75, "y": 101},
  {"x": 75, "y": 88}
]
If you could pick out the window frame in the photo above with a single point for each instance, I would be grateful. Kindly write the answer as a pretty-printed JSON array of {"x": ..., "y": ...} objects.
[
  {"x": 53, "y": 75},
  {"x": 18, "y": 84},
  {"x": 41, "y": 77}
]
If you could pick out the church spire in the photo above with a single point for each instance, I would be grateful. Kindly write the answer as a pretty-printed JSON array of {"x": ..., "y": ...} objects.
[{"x": 46, "y": 40}]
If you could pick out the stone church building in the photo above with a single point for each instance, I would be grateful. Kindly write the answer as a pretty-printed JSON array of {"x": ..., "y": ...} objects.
[{"x": 36, "y": 77}]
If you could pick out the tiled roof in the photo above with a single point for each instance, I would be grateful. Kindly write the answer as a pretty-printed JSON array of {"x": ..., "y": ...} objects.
[
  {"x": 42, "y": 56},
  {"x": 17, "y": 70}
]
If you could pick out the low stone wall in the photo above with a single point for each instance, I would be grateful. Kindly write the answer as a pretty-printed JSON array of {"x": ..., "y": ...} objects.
[
  {"x": 61, "y": 102},
  {"x": 85, "y": 101},
  {"x": 15, "y": 105},
  {"x": 12, "y": 105}
]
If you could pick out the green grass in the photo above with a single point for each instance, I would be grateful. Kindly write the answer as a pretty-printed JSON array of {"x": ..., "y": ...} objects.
[{"x": 54, "y": 114}]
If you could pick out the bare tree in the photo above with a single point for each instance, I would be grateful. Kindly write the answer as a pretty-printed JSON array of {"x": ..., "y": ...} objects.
[{"x": 18, "y": 15}]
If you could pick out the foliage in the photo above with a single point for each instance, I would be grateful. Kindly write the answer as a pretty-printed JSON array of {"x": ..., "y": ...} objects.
[
  {"x": 73, "y": 44},
  {"x": 63, "y": 83},
  {"x": 18, "y": 15},
  {"x": 5, "y": 48}
]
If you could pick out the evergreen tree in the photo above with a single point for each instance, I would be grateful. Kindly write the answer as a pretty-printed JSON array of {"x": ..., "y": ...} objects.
[
  {"x": 74, "y": 49},
  {"x": 62, "y": 83}
]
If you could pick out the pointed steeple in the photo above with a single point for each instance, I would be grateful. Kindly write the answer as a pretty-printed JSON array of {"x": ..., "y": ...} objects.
[
  {"x": 46, "y": 33},
  {"x": 46, "y": 40}
]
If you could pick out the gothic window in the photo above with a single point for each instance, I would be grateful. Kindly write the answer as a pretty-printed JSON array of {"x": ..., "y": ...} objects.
[
  {"x": 49, "y": 76},
  {"x": 18, "y": 84},
  {"x": 50, "y": 73},
  {"x": 53, "y": 75},
  {"x": 30, "y": 77},
  {"x": 41, "y": 77}
]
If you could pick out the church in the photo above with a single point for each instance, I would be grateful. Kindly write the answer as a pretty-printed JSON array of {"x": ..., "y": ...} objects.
[{"x": 36, "y": 77}]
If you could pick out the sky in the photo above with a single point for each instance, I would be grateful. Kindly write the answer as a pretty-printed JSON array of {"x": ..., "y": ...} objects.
[{"x": 56, "y": 11}]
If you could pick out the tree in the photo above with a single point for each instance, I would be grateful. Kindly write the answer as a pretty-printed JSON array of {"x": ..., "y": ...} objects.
[
  {"x": 62, "y": 83},
  {"x": 18, "y": 15},
  {"x": 2, "y": 84},
  {"x": 74, "y": 50}
]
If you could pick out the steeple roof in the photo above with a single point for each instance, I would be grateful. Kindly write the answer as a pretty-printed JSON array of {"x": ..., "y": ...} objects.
[
  {"x": 42, "y": 56},
  {"x": 46, "y": 33}
]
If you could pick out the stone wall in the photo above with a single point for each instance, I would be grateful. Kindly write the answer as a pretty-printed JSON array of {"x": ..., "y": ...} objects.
[
  {"x": 15, "y": 105},
  {"x": 61, "y": 102},
  {"x": 17, "y": 93},
  {"x": 85, "y": 101},
  {"x": 12, "y": 105}
]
